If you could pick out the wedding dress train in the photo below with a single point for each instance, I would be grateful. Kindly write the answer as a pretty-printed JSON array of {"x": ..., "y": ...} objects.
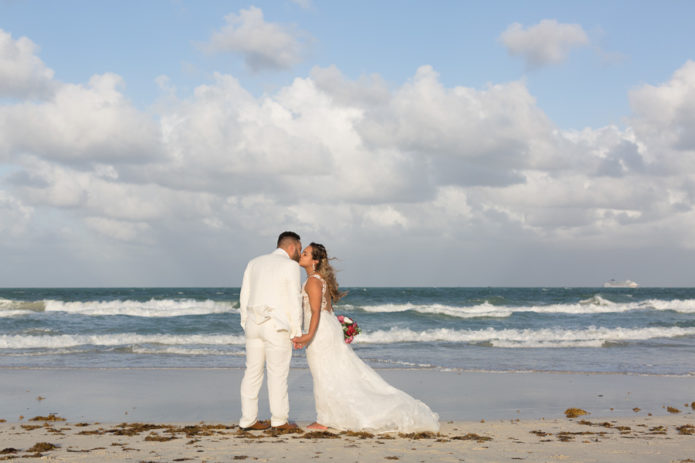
[{"x": 349, "y": 394}]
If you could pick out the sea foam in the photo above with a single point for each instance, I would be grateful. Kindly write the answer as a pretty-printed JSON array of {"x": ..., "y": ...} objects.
[
  {"x": 151, "y": 308},
  {"x": 154, "y": 308},
  {"x": 593, "y": 305},
  {"x": 589, "y": 337},
  {"x": 117, "y": 339}
]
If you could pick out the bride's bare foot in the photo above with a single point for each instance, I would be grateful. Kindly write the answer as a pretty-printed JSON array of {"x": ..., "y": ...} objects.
[{"x": 318, "y": 426}]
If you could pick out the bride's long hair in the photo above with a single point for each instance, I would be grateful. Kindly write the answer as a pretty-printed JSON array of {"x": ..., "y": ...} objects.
[{"x": 325, "y": 270}]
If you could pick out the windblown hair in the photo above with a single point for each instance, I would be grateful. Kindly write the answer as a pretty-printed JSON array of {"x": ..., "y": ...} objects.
[{"x": 325, "y": 270}]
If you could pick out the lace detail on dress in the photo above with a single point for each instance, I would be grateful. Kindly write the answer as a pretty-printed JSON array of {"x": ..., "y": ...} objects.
[
  {"x": 305, "y": 300},
  {"x": 324, "y": 287}
]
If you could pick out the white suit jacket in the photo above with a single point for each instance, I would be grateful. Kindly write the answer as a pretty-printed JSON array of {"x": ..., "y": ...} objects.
[{"x": 271, "y": 291}]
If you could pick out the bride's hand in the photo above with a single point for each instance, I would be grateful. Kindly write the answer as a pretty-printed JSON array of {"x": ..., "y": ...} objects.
[{"x": 299, "y": 342}]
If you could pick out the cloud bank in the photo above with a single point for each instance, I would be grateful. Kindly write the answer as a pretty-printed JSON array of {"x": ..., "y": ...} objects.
[{"x": 410, "y": 174}]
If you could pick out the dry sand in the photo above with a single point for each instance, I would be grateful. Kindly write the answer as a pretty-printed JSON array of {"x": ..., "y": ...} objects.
[{"x": 635, "y": 439}]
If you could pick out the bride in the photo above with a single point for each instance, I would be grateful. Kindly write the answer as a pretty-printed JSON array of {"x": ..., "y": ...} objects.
[{"x": 349, "y": 394}]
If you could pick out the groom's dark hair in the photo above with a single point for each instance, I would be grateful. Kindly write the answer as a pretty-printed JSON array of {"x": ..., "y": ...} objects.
[{"x": 288, "y": 236}]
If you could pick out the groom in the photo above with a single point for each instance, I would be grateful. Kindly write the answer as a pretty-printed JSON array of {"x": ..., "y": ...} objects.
[{"x": 271, "y": 314}]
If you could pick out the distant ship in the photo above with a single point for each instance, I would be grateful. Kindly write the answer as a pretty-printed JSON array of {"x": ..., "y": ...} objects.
[{"x": 620, "y": 284}]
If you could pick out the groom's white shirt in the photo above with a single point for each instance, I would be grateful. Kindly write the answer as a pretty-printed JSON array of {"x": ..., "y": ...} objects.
[{"x": 263, "y": 299}]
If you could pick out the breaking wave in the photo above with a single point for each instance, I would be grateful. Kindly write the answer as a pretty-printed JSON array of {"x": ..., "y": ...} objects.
[
  {"x": 154, "y": 308},
  {"x": 168, "y": 343},
  {"x": 119, "y": 339},
  {"x": 151, "y": 308},
  {"x": 589, "y": 337},
  {"x": 593, "y": 305}
]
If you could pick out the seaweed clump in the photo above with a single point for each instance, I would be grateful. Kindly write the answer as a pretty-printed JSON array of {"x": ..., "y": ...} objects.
[
  {"x": 360, "y": 434},
  {"x": 154, "y": 437},
  {"x": 133, "y": 429},
  {"x": 42, "y": 447},
  {"x": 419, "y": 435},
  {"x": 319, "y": 435},
  {"x": 672, "y": 410},
  {"x": 686, "y": 430},
  {"x": 50, "y": 417},
  {"x": 472, "y": 436},
  {"x": 575, "y": 412},
  {"x": 274, "y": 432},
  {"x": 202, "y": 429}
]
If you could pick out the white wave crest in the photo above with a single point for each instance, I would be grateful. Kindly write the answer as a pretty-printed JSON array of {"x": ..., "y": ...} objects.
[
  {"x": 12, "y": 308},
  {"x": 677, "y": 305},
  {"x": 120, "y": 339},
  {"x": 589, "y": 337},
  {"x": 593, "y": 305},
  {"x": 482, "y": 310},
  {"x": 151, "y": 308},
  {"x": 597, "y": 300}
]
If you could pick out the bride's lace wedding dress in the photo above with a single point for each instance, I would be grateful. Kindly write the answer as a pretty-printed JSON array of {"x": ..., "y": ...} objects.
[{"x": 349, "y": 394}]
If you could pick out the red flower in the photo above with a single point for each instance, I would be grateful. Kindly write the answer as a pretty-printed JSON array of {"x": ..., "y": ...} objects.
[{"x": 350, "y": 328}]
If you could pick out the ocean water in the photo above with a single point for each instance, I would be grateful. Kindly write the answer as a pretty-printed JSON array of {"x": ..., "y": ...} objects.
[{"x": 643, "y": 330}]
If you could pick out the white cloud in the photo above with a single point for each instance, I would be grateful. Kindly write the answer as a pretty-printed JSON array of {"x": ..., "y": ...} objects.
[
  {"x": 547, "y": 42},
  {"x": 22, "y": 73},
  {"x": 665, "y": 115},
  {"x": 80, "y": 124},
  {"x": 345, "y": 162},
  {"x": 467, "y": 136},
  {"x": 264, "y": 45}
]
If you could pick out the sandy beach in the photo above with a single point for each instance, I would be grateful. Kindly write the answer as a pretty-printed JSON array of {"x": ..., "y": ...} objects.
[
  {"x": 643, "y": 439},
  {"x": 140, "y": 415}
]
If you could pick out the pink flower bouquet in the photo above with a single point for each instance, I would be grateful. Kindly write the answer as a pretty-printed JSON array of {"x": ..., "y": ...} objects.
[{"x": 350, "y": 328}]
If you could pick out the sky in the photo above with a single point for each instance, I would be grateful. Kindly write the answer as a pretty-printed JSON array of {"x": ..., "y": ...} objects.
[{"x": 167, "y": 142}]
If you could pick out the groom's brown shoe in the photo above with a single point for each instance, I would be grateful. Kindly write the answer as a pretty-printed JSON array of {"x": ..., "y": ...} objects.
[
  {"x": 286, "y": 426},
  {"x": 257, "y": 426}
]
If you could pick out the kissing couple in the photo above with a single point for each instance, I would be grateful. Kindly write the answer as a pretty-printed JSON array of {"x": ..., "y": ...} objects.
[{"x": 348, "y": 393}]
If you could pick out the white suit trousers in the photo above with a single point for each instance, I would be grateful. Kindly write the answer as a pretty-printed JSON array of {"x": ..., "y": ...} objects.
[{"x": 266, "y": 347}]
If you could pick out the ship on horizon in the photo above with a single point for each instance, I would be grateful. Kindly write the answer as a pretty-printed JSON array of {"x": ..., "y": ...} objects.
[{"x": 620, "y": 284}]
